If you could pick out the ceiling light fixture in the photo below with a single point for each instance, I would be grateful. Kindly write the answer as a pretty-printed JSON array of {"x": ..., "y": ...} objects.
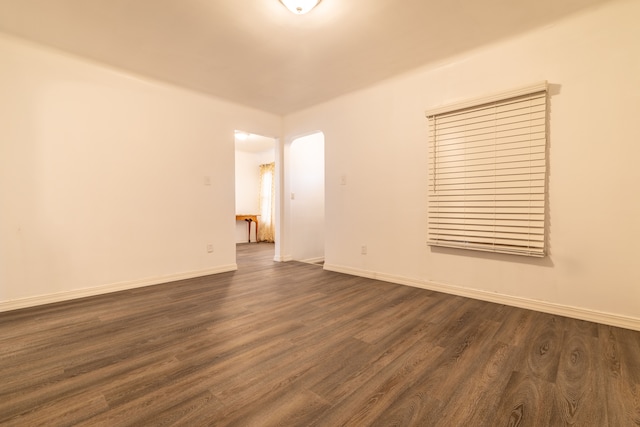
[{"x": 300, "y": 7}]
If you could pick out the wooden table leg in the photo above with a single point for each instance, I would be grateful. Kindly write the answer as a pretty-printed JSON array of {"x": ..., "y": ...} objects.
[{"x": 249, "y": 221}]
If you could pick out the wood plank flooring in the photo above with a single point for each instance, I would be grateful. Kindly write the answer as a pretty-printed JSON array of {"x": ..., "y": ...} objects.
[{"x": 291, "y": 344}]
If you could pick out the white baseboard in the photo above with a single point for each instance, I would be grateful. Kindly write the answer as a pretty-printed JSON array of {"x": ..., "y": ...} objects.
[
  {"x": 621, "y": 321},
  {"x": 313, "y": 260},
  {"x": 105, "y": 289},
  {"x": 283, "y": 258}
]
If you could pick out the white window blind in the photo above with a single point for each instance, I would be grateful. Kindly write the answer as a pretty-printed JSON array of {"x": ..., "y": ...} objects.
[{"x": 487, "y": 173}]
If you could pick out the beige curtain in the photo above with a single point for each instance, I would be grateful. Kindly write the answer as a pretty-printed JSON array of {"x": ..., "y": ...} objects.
[{"x": 266, "y": 232}]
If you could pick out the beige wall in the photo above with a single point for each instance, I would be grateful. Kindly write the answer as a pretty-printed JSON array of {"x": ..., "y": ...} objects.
[
  {"x": 102, "y": 177},
  {"x": 377, "y": 138}
]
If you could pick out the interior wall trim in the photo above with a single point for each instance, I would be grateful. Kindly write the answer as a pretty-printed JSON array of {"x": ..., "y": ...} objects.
[
  {"x": 605, "y": 318},
  {"x": 105, "y": 289},
  {"x": 313, "y": 260}
]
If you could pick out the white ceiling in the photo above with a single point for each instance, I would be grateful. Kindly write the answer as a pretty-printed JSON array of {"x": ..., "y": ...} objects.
[
  {"x": 253, "y": 143},
  {"x": 257, "y": 53}
]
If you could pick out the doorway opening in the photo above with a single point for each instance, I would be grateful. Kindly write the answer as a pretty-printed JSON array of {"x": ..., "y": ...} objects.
[
  {"x": 306, "y": 183},
  {"x": 255, "y": 197}
]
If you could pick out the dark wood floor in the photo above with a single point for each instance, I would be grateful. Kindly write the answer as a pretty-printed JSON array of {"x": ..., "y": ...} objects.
[{"x": 291, "y": 344}]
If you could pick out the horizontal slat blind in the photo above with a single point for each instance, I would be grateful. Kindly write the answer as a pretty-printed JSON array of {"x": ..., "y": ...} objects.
[{"x": 487, "y": 176}]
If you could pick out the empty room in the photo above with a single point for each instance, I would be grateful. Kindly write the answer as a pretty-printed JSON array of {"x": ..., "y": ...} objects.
[{"x": 449, "y": 236}]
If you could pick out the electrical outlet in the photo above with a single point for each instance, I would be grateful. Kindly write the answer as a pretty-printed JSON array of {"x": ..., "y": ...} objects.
[
  {"x": 363, "y": 250},
  {"x": 209, "y": 248}
]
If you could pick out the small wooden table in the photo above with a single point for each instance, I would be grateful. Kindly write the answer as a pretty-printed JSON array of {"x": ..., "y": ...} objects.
[{"x": 249, "y": 219}]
